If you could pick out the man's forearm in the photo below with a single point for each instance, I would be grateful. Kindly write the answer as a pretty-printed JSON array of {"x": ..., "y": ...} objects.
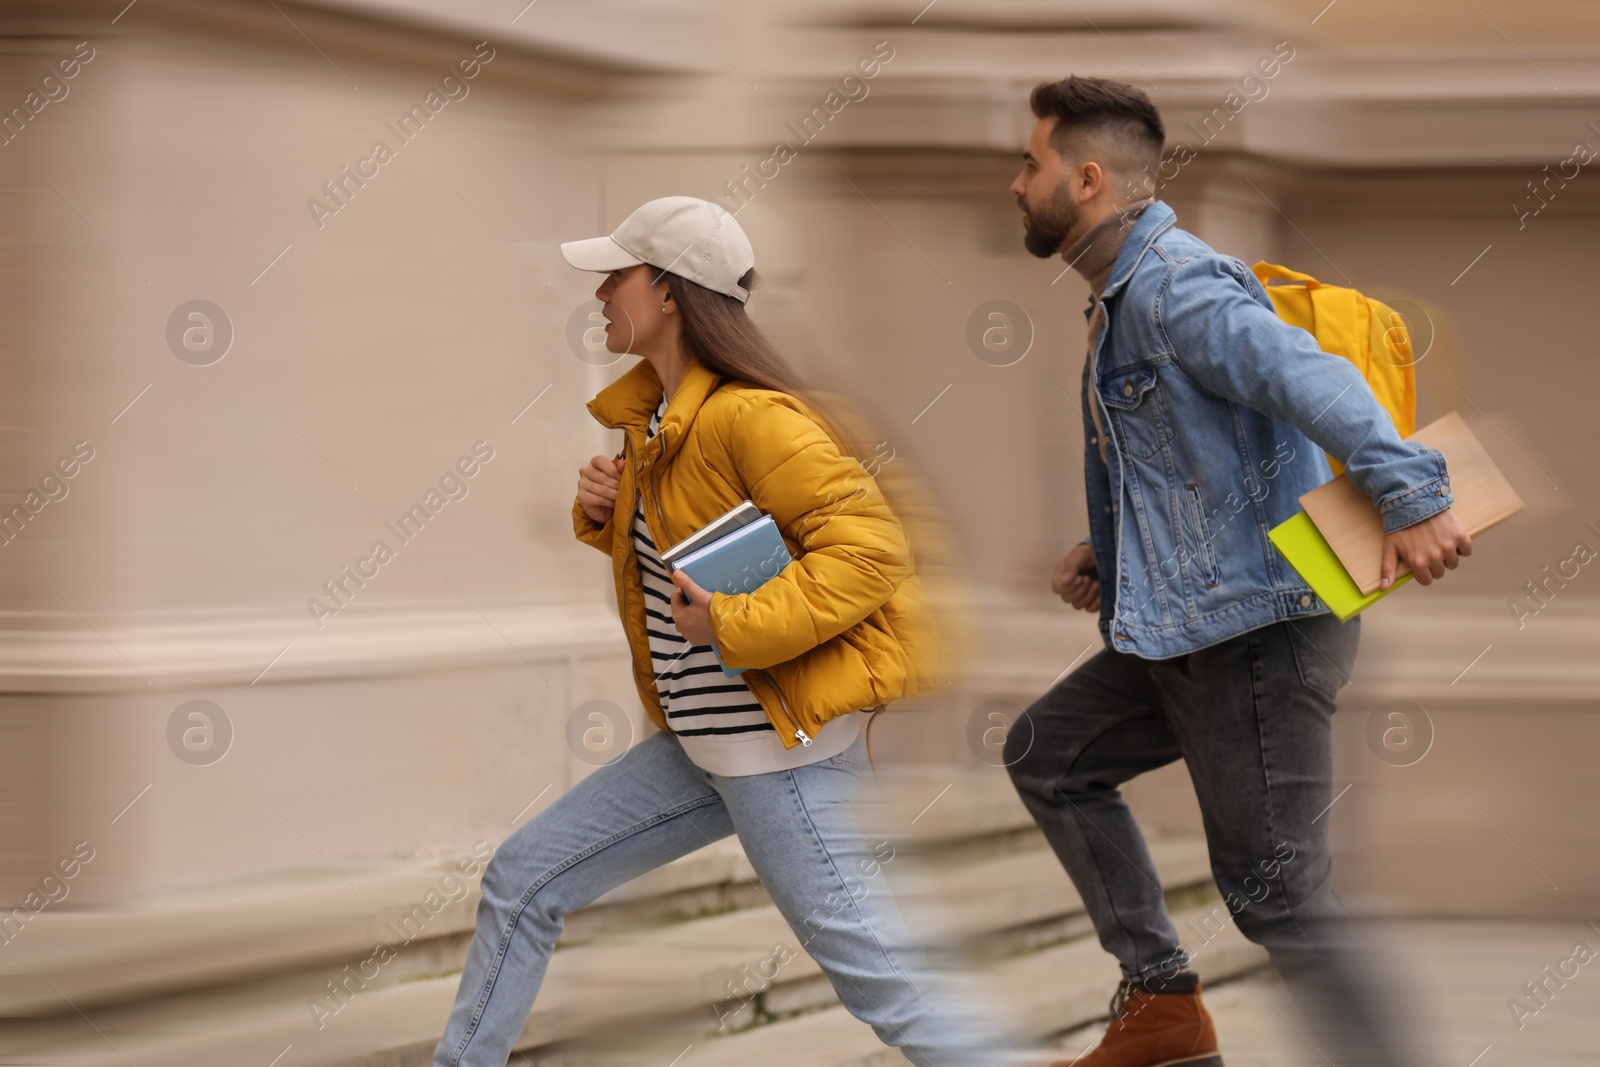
[{"x": 1233, "y": 346}]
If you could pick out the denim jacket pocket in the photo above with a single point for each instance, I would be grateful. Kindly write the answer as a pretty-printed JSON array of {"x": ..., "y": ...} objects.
[
  {"x": 1138, "y": 412},
  {"x": 1205, "y": 553}
]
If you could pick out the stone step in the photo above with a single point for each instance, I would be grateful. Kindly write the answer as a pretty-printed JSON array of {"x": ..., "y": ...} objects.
[
  {"x": 673, "y": 974},
  {"x": 1025, "y": 890},
  {"x": 305, "y": 922},
  {"x": 1036, "y": 995}
]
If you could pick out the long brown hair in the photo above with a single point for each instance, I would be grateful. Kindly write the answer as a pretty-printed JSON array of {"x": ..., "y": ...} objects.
[{"x": 720, "y": 334}]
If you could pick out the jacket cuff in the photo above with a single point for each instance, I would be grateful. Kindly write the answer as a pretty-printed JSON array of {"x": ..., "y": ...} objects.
[
  {"x": 1423, "y": 502},
  {"x": 733, "y": 657},
  {"x": 590, "y": 532}
]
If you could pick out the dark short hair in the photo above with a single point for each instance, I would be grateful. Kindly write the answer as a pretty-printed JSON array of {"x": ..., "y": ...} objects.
[{"x": 1099, "y": 104}]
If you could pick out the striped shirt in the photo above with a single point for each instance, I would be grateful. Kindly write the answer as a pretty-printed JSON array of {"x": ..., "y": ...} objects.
[{"x": 724, "y": 729}]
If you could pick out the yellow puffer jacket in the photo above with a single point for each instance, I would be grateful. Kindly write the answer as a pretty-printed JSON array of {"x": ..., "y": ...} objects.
[{"x": 844, "y": 626}]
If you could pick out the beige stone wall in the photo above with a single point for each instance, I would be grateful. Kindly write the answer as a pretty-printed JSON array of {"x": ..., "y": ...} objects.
[{"x": 372, "y": 351}]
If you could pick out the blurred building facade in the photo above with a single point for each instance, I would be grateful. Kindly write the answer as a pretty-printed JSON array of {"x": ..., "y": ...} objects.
[{"x": 262, "y": 345}]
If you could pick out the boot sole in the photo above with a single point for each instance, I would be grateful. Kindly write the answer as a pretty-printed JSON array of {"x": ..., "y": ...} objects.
[{"x": 1208, "y": 1059}]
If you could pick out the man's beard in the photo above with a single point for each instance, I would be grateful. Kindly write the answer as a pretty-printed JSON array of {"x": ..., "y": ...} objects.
[{"x": 1048, "y": 225}]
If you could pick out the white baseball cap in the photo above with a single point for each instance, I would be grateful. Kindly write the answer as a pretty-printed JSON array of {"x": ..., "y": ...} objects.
[{"x": 694, "y": 238}]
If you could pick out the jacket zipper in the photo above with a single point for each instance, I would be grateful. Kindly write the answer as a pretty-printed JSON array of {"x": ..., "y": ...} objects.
[
  {"x": 630, "y": 559},
  {"x": 655, "y": 493},
  {"x": 805, "y": 738},
  {"x": 655, "y": 488}
]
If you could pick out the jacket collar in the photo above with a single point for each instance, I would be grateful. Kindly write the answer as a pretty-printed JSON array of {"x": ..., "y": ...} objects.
[
  {"x": 1157, "y": 219},
  {"x": 628, "y": 402}
]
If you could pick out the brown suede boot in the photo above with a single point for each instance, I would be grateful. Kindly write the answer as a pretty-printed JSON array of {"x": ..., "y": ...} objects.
[{"x": 1168, "y": 1029}]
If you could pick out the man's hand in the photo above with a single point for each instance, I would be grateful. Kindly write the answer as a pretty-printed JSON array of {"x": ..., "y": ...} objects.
[
  {"x": 1427, "y": 547},
  {"x": 597, "y": 487},
  {"x": 1077, "y": 579},
  {"x": 692, "y": 616}
]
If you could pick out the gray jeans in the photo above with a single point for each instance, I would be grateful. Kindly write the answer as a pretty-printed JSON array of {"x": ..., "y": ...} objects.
[{"x": 1252, "y": 717}]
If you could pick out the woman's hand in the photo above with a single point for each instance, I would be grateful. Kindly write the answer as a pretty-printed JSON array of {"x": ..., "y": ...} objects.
[
  {"x": 692, "y": 616},
  {"x": 597, "y": 487}
]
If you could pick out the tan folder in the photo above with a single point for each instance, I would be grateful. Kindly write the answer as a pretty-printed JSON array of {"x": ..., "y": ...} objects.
[{"x": 1353, "y": 526}]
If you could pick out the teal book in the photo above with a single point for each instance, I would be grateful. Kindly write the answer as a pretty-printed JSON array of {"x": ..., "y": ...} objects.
[{"x": 738, "y": 562}]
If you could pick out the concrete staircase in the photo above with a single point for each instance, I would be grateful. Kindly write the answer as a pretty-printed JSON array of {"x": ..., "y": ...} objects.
[{"x": 644, "y": 975}]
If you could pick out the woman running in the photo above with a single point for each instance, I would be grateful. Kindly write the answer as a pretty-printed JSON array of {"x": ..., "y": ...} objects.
[{"x": 713, "y": 416}]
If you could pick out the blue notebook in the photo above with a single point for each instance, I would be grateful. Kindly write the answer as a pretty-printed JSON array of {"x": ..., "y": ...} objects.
[{"x": 739, "y": 562}]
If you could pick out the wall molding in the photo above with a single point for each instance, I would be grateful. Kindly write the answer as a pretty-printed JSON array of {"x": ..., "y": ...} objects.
[
  {"x": 57, "y": 653},
  {"x": 1412, "y": 646}
]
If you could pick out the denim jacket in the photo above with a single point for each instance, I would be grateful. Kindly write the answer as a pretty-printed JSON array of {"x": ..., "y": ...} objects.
[{"x": 1217, "y": 415}]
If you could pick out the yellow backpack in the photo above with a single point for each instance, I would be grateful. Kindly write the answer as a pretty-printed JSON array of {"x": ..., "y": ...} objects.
[{"x": 1367, "y": 332}]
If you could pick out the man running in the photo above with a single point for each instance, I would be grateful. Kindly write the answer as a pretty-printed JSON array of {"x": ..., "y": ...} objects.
[{"x": 1205, "y": 417}]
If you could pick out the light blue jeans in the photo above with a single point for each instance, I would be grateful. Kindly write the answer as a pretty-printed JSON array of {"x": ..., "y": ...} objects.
[{"x": 799, "y": 831}]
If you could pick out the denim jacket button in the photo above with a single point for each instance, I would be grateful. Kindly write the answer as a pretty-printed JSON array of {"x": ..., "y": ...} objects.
[
  {"x": 1108, "y": 509},
  {"x": 1305, "y": 600},
  {"x": 1127, "y": 390}
]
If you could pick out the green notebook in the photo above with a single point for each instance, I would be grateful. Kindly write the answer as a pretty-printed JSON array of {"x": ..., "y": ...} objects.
[{"x": 1302, "y": 544}]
